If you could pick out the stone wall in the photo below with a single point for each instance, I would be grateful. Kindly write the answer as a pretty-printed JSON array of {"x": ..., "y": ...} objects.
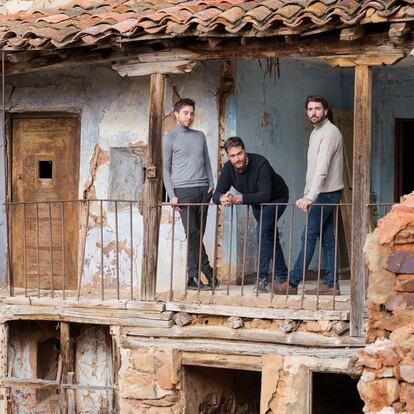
[{"x": 387, "y": 364}]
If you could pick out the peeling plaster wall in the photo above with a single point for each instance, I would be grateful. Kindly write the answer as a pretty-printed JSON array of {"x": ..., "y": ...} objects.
[
  {"x": 94, "y": 367},
  {"x": 113, "y": 112},
  {"x": 285, "y": 381}
]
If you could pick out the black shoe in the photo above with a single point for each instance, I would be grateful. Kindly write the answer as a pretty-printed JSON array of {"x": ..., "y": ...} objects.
[
  {"x": 212, "y": 282},
  {"x": 192, "y": 284},
  {"x": 261, "y": 288}
]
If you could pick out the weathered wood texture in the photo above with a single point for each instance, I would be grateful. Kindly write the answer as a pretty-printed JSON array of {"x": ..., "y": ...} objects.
[
  {"x": 242, "y": 362},
  {"x": 150, "y": 316},
  {"x": 152, "y": 189},
  {"x": 228, "y": 48},
  {"x": 349, "y": 61},
  {"x": 308, "y": 339},
  {"x": 361, "y": 194},
  {"x": 4, "y": 340},
  {"x": 265, "y": 313},
  {"x": 236, "y": 347},
  {"x": 135, "y": 68},
  {"x": 67, "y": 365},
  {"x": 43, "y": 235},
  {"x": 137, "y": 306}
]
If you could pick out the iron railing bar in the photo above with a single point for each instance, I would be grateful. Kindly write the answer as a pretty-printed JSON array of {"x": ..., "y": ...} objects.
[
  {"x": 274, "y": 253},
  {"x": 84, "y": 248},
  {"x": 186, "y": 252},
  {"x": 63, "y": 252},
  {"x": 172, "y": 254},
  {"x": 246, "y": 228},
  {"x": 230, "y": 247},
  {"x": 51, "y": 249},
  {"x": 259, "y": 250},
  {"x": 336, "y": 257},
  {"x": 25, "y": 250},
  {"x": 319, "y": 258},
  {"x": 117, "y": 251},
  {"x": 101, "y": 251},
  {"x": 132, "y": 251},
  {"x": 37, "y": 250},
  {"x": 290, "y": 253},
  {"x": 304, "y": 257},
  {"x": 200, "y": 244}
]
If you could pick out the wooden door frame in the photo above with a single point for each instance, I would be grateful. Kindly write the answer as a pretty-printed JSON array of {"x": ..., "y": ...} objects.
[
  {"x": 398, "y": 141},
  {"x": 10, "y": 116},
  {"x": 8, "y": 153}
]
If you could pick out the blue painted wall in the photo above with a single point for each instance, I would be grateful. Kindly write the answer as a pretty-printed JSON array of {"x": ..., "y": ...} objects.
[
  {"x": 270, "y": 117},
  {"x": 393, "y": 97}
]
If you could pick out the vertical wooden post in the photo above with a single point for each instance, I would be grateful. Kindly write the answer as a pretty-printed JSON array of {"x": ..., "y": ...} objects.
[
  {"x": 65, "y": 355},
  {"x": 152, "y": 190},
  {"x": 361, "y": 183},
  {"x": 4, "y": 343}
]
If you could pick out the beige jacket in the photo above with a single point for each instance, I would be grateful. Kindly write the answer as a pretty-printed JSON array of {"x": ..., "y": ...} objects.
[{"x": 325, "y": 161}]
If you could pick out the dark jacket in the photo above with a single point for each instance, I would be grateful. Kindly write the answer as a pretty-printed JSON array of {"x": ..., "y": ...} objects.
[{"x": 258, "y": 183}]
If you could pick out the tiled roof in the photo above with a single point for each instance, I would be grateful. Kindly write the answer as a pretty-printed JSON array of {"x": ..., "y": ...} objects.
[{"x": 88, "y": 22}]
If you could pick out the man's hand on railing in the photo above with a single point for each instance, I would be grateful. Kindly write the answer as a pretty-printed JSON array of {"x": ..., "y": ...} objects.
[
  {"x": 174, "y": 203},
  {"x": 229, "y": 199},
  {"x": 303, "y": 204}
]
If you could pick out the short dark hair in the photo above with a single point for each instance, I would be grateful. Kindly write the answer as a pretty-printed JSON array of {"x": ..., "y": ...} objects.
[
  {"x": 233, "y": 142},
  {"x": 317, "y": 98},
  {"x": 183, "y": 102}
]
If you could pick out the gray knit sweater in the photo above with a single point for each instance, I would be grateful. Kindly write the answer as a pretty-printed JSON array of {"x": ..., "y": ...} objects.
[{"x": 185, "y": 160}]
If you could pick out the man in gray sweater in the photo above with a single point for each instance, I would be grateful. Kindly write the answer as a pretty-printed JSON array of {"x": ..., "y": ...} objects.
[
  {"x": 188, "y": 179},
  {"x": 324, "y": 184}
]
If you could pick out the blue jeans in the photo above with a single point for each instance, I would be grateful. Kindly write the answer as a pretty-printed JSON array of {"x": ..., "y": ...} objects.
[
  {"x": 267, "y": 240},
  {"x": 328, "y": 239}
]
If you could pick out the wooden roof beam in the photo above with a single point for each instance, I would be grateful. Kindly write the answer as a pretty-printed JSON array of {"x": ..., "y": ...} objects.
[
  {"x": 134, "y": 67},
  {"x": 399, "y": 31},
  {"x": 350, "y": 61},
  {"x": 352, "y": 33}
]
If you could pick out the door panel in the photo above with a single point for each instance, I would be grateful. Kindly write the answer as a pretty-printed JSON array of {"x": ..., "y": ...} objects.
[{"x": 44, "y": 236}]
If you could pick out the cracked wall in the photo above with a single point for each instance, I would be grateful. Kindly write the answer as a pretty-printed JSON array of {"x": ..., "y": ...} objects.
[
  {"x": 153, "y": 380},
  {"x": 33, "y": 353},
  {"x": 114, "y": 115}
]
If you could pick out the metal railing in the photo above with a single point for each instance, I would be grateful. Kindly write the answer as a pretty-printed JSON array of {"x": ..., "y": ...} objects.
[
  {"x": 77, "y": 248},
  {"x": 237, "y": 227},
  {"x": 74, "y": 247}
]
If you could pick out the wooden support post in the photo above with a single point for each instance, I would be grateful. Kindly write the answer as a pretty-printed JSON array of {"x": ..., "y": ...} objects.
[
  {"x": 361, "y": 194},
  {"x": 65, "y": 362},
  {"x": 4, "y": 343},
  {"x": 152, "y": 189}
]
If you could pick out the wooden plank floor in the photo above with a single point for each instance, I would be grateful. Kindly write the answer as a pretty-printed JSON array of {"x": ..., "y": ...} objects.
[{"x": 223, "y": 295}]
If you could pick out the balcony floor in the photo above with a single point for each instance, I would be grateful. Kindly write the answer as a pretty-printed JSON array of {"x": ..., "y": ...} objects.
[
  {"x": 224, "y": 295},
  {"x": 232, "y": 296}
]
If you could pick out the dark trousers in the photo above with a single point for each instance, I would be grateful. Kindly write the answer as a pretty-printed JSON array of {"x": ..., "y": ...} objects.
[
  {"x": 269, "y": 216},
  {"x": 195, "y": 217},
  {"x": 314, "y": 232}
]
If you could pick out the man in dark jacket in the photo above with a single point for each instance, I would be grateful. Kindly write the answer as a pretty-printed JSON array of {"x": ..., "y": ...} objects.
[{"x": 257, "y": 182}]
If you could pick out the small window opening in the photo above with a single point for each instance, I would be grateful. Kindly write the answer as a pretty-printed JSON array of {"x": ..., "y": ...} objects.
[
  {"x": 45, "y": 169},
  {"x": 335, "y": 393},
  {"x": 221, "y": 390}
]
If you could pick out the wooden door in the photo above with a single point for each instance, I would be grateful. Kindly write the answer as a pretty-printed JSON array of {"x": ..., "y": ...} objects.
[{"x": 44, "y": 235}]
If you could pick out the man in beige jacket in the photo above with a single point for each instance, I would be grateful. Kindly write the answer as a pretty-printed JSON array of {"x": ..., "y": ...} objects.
[{"x": 324, "y": 184}]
